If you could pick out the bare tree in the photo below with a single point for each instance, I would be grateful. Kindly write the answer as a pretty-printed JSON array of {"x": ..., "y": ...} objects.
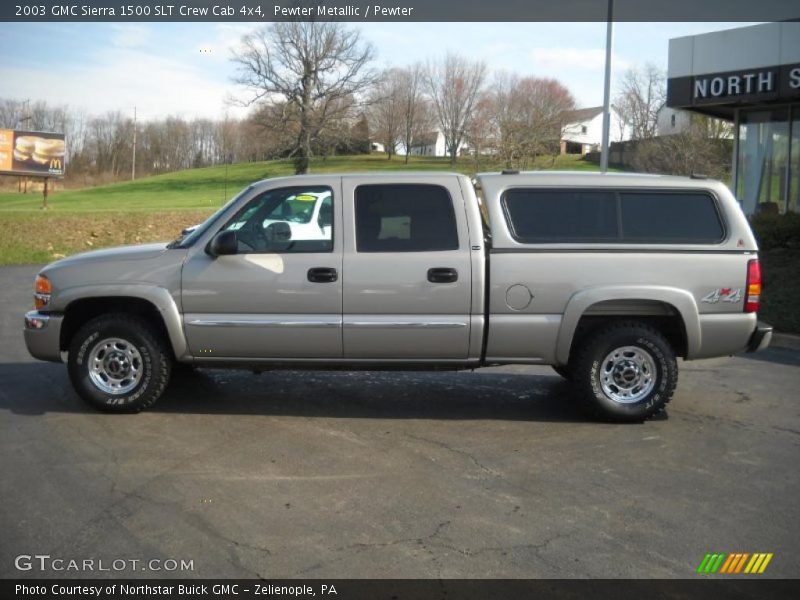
[
  {"x": 335, "y": 135},
  {"x": 10, "y": 112},
  {"x": 311, "y": 67},
  {"x": 386, "y": 109},
  {"x": 546, "y": 107},
  {"x": 417, "y": 114},
  {"x": 110, "y": 139},
  {"x": 505, "y": 116},
  {"x": 454, "y": 85},
  {"x": 623, "y": 121},
  {"x": 641, "y": 96},
  {"x": 481, "y": 131},
  {"x": 360, "y": 136},
  {"x": 530, "y": 116},
  {"x": 703, "y": 147}
]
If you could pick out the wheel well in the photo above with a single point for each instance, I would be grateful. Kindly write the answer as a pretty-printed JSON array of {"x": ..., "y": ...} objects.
[
  {"x": 80, "y": 312},
  {"x": 660, "y": 315}
]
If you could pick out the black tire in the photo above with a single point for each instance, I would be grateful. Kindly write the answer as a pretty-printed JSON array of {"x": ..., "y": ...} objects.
[
  {"x": 180, "y": 369},
  {"x": 563, "y": 370},
  {"x": 648, "y": 368},
  {"x": 151, "y": 360}
]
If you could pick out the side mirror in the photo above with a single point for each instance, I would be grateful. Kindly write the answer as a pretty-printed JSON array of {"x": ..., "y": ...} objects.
[
  {"x": 278, "y": 236},
  {"x": 223, "y": 243},
  {"x": 278, "y": 232}
]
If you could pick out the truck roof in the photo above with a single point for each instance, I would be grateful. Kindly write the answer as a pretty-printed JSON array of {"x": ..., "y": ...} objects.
[
  {"x": 547, "y": 178},
  {"x": 559, "y": 178},
  {"x": 377, "y": 175}
]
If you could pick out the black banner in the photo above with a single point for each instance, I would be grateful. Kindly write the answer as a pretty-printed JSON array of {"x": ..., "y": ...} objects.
[
  {"x": 764, "y": 84},
  {"x": 399, "y": 10},
  {"x": 737, "y": 588}
]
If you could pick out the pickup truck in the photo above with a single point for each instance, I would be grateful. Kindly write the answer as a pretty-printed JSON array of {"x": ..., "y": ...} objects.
[{"x": 606, "y": 277}]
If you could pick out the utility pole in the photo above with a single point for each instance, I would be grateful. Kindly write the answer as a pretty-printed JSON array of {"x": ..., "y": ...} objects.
[
  {"x": 133, "y": 159},
  {"x": 25, "y": 122},
  {"x": 26, "y": 115},
  {"x": 607, "y": 89}
]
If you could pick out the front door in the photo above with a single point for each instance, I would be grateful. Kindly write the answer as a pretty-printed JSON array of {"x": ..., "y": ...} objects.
[
  {"x": 407, "y": 266},
  {"x": 280, "y": 296}
]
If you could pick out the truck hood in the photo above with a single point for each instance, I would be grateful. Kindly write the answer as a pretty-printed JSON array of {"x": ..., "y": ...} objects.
[
  {"x": 141, "y": 252},
  {"x": 114, "y": 271}
]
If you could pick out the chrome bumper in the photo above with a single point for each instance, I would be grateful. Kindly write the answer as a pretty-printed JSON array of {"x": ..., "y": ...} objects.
[{"x": 43, "y": 335}]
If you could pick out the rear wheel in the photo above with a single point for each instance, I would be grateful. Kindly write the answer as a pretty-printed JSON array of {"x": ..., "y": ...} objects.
[
  {"x": 119, "y": 363},
  {"x": 625, "y": 372}
]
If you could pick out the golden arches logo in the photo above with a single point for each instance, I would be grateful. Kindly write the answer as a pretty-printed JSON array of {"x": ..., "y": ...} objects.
[{"x": 56, "y": 163}]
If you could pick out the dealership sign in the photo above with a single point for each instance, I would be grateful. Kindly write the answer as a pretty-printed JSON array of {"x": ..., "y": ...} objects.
[
  {"x": 735, "y": 87},
  {"x": 32, "y": 153}
]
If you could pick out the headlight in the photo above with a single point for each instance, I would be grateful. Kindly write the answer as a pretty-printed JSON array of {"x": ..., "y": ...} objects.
[{"x": 43, "y": 289}]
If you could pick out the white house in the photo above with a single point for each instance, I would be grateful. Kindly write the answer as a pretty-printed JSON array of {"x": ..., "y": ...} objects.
[
  {"x": 672, "y": 120},
  {"x": 675, "y": 120},
  {"x": 432, "y": 144},
  {"x": 584, "y": 130},
  {"x": 380, "y": 148}
]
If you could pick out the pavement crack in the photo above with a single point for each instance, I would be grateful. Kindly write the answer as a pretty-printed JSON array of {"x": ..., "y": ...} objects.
[
  {"x": 410, "y": 540},
  {"x": 457, "y": 451}
]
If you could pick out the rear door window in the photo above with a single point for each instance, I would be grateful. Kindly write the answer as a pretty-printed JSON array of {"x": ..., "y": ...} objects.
[{"x": 404, "y": 218}]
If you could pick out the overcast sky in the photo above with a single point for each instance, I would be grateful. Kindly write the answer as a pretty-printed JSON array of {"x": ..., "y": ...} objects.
[{"x": 160, "y": 69}]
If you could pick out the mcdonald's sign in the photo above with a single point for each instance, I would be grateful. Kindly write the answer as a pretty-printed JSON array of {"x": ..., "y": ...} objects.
[{"x": 32, "y": 153}]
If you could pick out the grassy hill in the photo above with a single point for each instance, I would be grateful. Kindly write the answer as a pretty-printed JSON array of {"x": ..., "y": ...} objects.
[{"x": 157, "y": 208}]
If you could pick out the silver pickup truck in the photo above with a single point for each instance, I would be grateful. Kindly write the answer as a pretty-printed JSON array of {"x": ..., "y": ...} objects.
[{"x": 608, "y": 278}]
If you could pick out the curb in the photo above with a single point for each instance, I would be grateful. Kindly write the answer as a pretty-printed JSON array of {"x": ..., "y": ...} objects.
[{"x": 785, "y": 340}]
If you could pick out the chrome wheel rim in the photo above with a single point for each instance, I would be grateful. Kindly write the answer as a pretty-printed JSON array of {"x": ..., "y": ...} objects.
[
  {"x": 115, "y": 366},
  {"x": 627, "y": 374}
]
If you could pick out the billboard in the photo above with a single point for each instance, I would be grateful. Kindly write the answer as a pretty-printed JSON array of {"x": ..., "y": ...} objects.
[{"x": 32, "y": 153}]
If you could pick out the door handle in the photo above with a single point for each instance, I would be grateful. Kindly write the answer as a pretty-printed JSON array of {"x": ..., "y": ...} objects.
[
  {"x": 322, "y": 275},
  {"x": 442, "y": 275}
]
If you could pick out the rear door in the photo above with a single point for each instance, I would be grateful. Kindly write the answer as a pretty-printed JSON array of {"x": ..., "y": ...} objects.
[{"x": 407, "y": 270}]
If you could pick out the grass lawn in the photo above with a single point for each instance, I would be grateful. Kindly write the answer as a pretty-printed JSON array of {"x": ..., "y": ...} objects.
[
  {"x": 208, "y": 188},
  {"x": 157, "y": 208}
]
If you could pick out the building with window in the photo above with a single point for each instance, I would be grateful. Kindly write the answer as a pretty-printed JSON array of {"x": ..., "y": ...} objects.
[
  {"x": 433, "y": 144},
  {"x": 583, "y": 132},
  {"x": 750, "y": 76},
  {"x": 672, "y": 121}
]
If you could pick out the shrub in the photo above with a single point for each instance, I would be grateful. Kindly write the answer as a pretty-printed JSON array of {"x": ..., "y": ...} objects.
[{"x": 776, "y": 231}]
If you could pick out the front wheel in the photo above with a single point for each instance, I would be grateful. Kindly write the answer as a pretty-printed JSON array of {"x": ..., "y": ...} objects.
[
  {"x": 625, "y": 372},
  {"x": 119, "y": 363}
]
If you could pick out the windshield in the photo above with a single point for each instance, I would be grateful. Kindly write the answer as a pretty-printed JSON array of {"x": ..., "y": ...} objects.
[{"x": 189, "y": 239}]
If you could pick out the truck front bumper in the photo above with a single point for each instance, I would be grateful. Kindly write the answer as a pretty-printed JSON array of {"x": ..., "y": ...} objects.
[
  {"x": 43, "y": 335},
  {"x": 761, "y": 337}
]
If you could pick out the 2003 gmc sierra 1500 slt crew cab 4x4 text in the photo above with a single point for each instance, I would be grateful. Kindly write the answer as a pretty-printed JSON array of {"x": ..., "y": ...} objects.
[{"x": 607, "y": 277}]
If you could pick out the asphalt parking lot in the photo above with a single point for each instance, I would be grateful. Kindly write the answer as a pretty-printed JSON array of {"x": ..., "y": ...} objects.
[{"x": 358, "y": 475}]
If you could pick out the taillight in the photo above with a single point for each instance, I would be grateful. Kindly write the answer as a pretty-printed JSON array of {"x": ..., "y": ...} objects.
[
  {"x": 753, "y": 298},
  {"x": 43, "y": 289}
]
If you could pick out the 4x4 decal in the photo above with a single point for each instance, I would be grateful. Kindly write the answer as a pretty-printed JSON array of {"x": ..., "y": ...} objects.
[{"x": 723, "y": 295}]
